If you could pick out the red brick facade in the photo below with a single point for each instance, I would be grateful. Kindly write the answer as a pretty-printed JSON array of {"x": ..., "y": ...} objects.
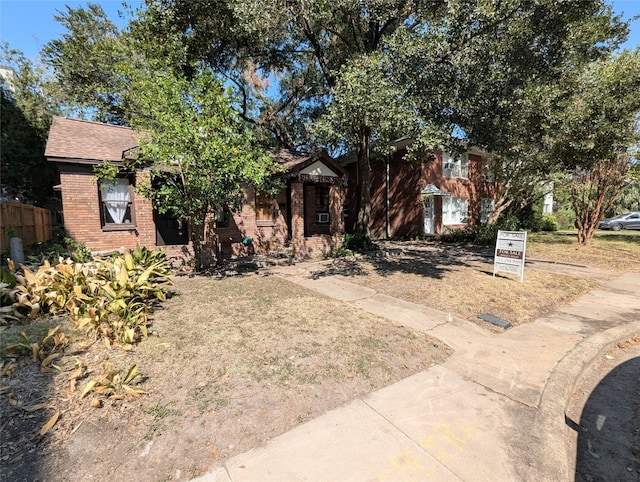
[
  {"x": 305, "y": 236},
  {"x": 406, "y": 206},
  {"x": 81, "y": 208},
  {"x": 82, "y": 220},
  {"x": 291, "y": 221}
]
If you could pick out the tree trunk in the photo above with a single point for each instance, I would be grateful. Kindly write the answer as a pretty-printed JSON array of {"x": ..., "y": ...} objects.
[
  {"x": 594, "y": 192},
  {"x": 499, "y": 208},
  {"x": 201, "y": 259},
  {"x": 364, "y": 185}
]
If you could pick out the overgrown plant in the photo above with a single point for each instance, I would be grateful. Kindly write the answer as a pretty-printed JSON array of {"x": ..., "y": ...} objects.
[
  {"x": 108, "y": 299},
  {"x": 477, "y": 234},
  {"x": 46, "y": 350},
  {"x": 79, "y": 251}
]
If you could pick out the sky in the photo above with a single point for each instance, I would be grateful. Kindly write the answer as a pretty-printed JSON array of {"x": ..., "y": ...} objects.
[{"x": 27, "y": 25}]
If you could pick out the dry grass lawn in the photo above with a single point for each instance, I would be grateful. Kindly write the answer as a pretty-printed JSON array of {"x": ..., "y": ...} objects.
[
  {"x": 459, "y": 281},
  {"x": 616, "y": 251},
  {"x": 233, "y": 362}
]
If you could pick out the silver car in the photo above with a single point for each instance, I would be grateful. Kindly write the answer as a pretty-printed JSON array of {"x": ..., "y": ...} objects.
[{"x": 622, "y": 221}]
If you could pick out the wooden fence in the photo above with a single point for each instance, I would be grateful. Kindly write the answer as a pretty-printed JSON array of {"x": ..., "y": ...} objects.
[{"x": 32, "y": 224}]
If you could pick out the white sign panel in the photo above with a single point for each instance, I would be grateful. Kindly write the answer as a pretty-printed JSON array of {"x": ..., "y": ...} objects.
[{"x": 510, "y": 252}]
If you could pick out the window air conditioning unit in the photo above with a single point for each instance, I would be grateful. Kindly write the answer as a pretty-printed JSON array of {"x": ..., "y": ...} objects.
[{"x": 322, "y": 218}]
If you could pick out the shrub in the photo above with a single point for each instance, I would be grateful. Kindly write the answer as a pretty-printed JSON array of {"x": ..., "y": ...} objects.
[
  {"x": 549, "y": 223},
  {"x": 483, "y": 235},
  {"x": 79, "y": 252},
  {"x": 357, "y": 242},
  {"x": 108, "y": 298},
  {"x": 51, "y": 251},
  {"x": 351, "y": 244},
  {"x": 340, "y": 252}
]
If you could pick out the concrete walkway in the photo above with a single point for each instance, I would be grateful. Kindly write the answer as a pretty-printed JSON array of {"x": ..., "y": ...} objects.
[{"x": 495, "y": 410}]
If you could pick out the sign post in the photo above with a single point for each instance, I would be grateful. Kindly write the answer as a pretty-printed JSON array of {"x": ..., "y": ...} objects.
[{"x": 510, "y": 252}]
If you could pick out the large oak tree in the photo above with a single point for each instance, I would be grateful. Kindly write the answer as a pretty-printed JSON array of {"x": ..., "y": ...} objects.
[
  {"x": 375, "y": 70},
  {"x": 363, "y": 73}
]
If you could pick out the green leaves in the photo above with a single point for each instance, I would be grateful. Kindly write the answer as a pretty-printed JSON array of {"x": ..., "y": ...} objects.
[
  {"x": 194, "y": 143},
  {"x": 27, "y": 106},
  {"x": 86, "y": 60},
  {"x": 103, "y": 298}
]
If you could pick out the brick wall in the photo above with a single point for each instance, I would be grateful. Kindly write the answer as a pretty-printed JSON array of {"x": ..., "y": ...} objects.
[
  {"x": 266, "y": 237},
  {"x": 312, "y": 227},
  {"x": 82, "y": 220},
  {"x": 406, "y": 180},
  {"x": 80, "y": 204}
]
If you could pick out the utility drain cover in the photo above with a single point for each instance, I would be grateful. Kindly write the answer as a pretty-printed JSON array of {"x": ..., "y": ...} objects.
[{"x": 494, "y": 320}]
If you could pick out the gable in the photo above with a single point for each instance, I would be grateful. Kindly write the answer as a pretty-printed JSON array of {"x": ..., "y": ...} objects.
[{"x": 318, "y": 168}]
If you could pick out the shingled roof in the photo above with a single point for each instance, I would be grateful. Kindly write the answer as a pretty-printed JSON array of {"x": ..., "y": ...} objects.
[
  {"x": 85, "y": 142},
  {"x": 82, "y": 141},
  {"x": 294, "y": 161}
]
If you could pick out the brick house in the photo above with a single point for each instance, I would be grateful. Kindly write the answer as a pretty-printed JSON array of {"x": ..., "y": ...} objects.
[
  {"x": 305, "y": 216},
  {"x": 410, "y": 199}
]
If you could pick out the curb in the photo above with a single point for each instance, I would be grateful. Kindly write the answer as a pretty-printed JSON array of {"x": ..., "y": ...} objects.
[{"x": 557, "y": 456}]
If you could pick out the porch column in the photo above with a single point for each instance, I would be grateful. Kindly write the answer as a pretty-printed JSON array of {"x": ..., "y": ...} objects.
[
  {"x": 144, "y": 214},
  {"x": 336, "y": 201},
  {"x": 297, "y": 216}
]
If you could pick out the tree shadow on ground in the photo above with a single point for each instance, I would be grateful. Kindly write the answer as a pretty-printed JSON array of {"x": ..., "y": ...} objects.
[
  {"x": 609, "y": 432},
  {"x": 428, "y": 262},
  {"x": 26, "y": 390}
]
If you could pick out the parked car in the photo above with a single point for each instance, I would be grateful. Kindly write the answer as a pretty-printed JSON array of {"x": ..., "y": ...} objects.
[{"x": 622, "y": 221}]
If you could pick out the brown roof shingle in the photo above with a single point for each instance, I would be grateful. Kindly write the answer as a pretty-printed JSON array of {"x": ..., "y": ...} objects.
[
  {"x": 80, "y": 141},
  {"x": 88, "y": 141},
  {"x": 294, "y": 161}
]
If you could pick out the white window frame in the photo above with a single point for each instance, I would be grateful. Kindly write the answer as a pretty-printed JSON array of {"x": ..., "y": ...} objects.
[
  {"x": 455, "y": 210},
  {"x": 487, "y": 205},
  {"x": 488, "y": 174},
  {"x": 460, "y": 168}
]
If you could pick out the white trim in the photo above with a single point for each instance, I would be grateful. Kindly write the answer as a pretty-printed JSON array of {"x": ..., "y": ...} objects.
[
  {"x": 455, "y": 210},
  {"x": 455, "y": 167},
  {"x": 318, "y": 169}
]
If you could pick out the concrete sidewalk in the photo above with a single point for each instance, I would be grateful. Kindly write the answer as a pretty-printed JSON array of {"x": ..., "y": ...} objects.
[{"x": 493, "y": 411}]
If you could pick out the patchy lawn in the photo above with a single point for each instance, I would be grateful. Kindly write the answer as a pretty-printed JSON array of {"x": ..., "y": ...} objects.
[
  {"x": 232, "y": 363},
  {"x": 458, "y": 281},
  {"x": 613, "y": 250}
]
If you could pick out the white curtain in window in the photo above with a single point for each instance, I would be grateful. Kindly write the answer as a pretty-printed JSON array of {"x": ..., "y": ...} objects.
[{"x": 115, "y": 196}]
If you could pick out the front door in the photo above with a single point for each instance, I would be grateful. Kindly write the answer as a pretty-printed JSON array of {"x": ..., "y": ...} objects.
[
  {"x": 429, "y": 225},
  {"x": 169, "y": 230}
]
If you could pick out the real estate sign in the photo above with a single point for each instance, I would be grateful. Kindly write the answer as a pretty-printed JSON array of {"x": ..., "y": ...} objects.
[{"x": 510, "y": 251}]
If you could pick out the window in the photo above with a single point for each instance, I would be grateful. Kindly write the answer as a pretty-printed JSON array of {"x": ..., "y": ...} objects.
[
  {"x": 455, "y": 167},
  {"x": 322, "y": 204},
  {"x": 488, "y": 175},
  {"x": 222, "y": 215},
  {"x": 116, "y": 208},
  {"x": 264, "y": 210},
  {"x": 455, "y": 210},
  {"x": 486, "y": 208}
]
